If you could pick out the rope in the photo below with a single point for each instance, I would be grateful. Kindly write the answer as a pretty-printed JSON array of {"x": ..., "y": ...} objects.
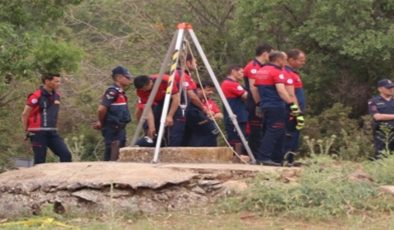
[{"x": 209, "y": 109}]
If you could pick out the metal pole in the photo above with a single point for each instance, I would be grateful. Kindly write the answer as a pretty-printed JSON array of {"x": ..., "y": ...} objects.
[
  {"x": 155, "y": 88},
  {"x": 220, "y": 92},
  {"x": 175, "y": 57}
]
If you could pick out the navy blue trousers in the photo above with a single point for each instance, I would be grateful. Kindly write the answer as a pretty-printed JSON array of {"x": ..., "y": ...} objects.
[
  {"x": 271, "y": 147},
  {"x": 256, "y": 130},
  {"x": 200, "y": 130},
  {"x": 292, "y": 137},
  {"x": 42, "y": 140},
  {"x": 110, "y": 135},
  {"x": 174, "y": 134}
]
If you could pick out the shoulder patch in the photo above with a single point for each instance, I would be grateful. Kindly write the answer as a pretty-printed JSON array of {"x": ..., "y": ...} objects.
[
  {"x": 253, "y": 71},
  {"x": 290, "y": 81},
  {"x": 240, "y": 88},
  {"x": 281, "y": 76},
  {"x": 34, "y": 101}
]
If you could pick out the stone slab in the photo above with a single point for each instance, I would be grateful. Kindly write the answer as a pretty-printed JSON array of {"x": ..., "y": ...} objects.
[
  {"x": 123, "y": 186},
  {"x": 71, "y": 176},
  {"x": 178, "y": 154}
]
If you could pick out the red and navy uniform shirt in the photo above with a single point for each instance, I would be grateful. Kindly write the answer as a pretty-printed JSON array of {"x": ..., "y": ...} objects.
[
  {"x": 266, "y": 79},
  {"x": 380, "y": 105},
  {"x": 115, "y": 100},
  {"x": 298, "y": 86},
  {"x": 143, "y": 96},
  {"x": 250, "y": 71},
  {"x": 288, "y": 78},
  {"x": 233, "y": 92},
  {"x": 45, "y": 108},
  {"x": 211, "y": 105},
  {"x": 188, "y": 82}
]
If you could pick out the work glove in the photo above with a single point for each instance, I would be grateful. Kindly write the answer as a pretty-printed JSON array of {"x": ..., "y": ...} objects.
[
  {"x": 294, "y": 109},
  {"x": 300, "y": 122}
]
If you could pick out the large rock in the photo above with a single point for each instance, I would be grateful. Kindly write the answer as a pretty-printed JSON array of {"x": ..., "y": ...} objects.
[
  {"x": 178, "y": 154},
  {"x": 83, "y": 187}
]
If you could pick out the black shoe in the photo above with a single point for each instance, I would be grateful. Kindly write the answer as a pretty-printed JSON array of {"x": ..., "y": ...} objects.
[{"x": 269, "y": 163}]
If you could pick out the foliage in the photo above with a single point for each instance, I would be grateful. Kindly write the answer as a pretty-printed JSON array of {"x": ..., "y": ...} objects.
[
  {"x": 349, "y": 44},
  {"x": 88, "y": 146},
  {"x": 382, "y": 170},
  {"x": 29, "y": 45},
  {"x": 334, "y": 132},
  {"x": 323, "y": 191}
]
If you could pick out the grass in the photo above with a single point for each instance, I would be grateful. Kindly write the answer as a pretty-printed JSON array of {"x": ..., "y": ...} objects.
[
  {"x": 323, "y": 197},
  {"x": 323, "y": 192},
  {"x": 382, "y": 170}
]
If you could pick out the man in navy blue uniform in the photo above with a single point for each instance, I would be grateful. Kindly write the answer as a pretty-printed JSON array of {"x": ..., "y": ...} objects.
[
  {"x": 114, "y": 114},
  {"x": 270, "y": 82},
  {"x": 381, "y": 108},
  {"x": 236, "y": 96},
  {"x": 255, "y": 123},
  {"x": 39, "y": 119},
  {"x": 295, "y": 60}
]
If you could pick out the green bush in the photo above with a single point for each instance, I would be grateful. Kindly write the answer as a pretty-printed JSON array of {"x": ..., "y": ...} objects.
[
  {"x": 333, "y": 132},
  {"x": 86, "y": 144},
  {"x": 323, "y": 191},
  {"x": 382, "y": 170}
]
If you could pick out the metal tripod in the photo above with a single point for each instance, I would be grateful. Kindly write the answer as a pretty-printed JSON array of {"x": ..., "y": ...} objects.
[{"x": 175, "y": 47}]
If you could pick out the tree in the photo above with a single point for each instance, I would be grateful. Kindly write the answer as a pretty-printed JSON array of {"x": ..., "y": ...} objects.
[
  {"x": 30, "y": 43},
  {"x": 349, "y": 43}
]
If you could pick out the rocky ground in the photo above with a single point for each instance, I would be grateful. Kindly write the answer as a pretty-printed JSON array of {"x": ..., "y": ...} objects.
[{"x": 124, "y": 186}]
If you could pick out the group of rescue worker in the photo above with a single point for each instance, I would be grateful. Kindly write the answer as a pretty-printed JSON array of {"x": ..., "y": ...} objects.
[
  {"x": 268, "y": 108},
  {"x": 266, "y": 96}
]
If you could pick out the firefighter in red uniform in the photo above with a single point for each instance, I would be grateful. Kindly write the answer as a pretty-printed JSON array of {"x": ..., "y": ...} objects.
[
  {"x": 270, "y": 82},
  {"x": 114, "y": 114},
  {"x": 255, "y": 123},
  {"x": 200, "y": 129},
  {"x": 236, "y": 96},
  {"x": 295, "y": 59},
  {"x": 39, "y": 119},
  {"x": 144, "y": 85},
  {"x": 210, "y": 104}
]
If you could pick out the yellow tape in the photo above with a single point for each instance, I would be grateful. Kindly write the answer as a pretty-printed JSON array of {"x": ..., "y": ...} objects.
[
  {"x": 175, "y": 55},
  {"x": 173, "y": 67},
  {"x": 38, "y": 221}
]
